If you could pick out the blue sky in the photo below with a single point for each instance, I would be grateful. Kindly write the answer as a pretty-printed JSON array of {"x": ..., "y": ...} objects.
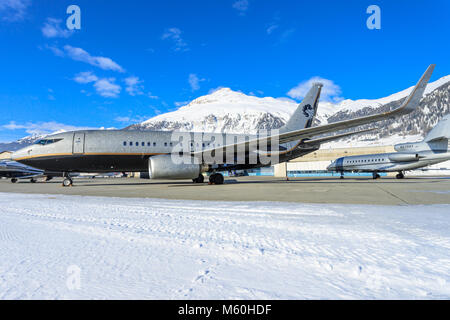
[{"x": 132, "y": 60}]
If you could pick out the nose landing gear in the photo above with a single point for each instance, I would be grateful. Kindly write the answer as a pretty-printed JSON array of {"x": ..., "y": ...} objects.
[
  {"x": 400, "y": 175},
  {"x": 375, "y": 176},
  {"x": 67, "y": 182}
]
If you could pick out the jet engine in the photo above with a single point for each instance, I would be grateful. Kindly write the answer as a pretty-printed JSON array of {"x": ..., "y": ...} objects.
[
  {"x": 163, "y": 167},
  {"x": 402, "y": 157}
]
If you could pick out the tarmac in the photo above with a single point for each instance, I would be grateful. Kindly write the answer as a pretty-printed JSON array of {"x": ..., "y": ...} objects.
[{"x": 332, "y": 190}]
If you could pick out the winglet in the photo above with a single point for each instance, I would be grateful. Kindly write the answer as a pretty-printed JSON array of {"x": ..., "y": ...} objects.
[{"x": 412, "y": 101}]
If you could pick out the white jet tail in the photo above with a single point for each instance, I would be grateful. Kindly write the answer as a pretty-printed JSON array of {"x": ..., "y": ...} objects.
[{"x": 305, "y": 113}]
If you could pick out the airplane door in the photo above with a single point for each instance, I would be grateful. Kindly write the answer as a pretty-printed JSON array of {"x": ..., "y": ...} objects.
[{"x": 78, "y": 143}]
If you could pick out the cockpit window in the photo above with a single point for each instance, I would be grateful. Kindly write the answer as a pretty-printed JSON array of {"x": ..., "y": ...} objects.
[{"x": 44, "y": 142}]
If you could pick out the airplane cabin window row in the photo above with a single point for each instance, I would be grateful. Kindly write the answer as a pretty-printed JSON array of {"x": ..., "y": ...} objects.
[
  {"x": 361, "y": 161},
  {"x": 166, "y": 144}
]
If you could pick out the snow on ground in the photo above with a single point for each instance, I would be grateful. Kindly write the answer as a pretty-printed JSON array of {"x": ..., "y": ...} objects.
[{"x": 177, "y": 249}]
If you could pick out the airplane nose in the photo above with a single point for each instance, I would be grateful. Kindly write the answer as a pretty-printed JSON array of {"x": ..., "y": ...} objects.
[
  {"x": 17, "y": 155},
  {"x": 331, "y": 167}
]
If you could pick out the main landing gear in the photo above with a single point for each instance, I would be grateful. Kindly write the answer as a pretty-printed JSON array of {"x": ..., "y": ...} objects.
[
  {"x": 375, "y": 176},
  {"x": 216, "y": 178},
  {"x": 199, "y": 179},
  {"x": 400, "y": 175},
  {"x": 32, "y": 180},
  {"x": 14, "y": 180}
]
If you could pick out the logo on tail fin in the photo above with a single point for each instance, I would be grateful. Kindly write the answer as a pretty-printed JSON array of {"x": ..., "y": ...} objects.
[{"x": 308, "y": 111}]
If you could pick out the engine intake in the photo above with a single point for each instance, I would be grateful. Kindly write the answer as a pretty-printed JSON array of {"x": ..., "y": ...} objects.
[{"x": 163, "y": 167}]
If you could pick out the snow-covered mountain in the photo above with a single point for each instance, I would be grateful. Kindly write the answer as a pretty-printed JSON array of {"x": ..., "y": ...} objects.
[
  {"x": 21, "y": 143},
  {"x": 226, "y": 110}
]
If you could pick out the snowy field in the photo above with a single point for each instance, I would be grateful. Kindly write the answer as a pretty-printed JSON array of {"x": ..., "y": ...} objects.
[{"x": 65, "y": 247}]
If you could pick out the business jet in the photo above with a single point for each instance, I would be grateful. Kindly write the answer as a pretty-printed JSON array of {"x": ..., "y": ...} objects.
[
  {"x": 409, "y": 156},
  {"x": 178, "y": 155},
  {"x": 16, "y": 171}
]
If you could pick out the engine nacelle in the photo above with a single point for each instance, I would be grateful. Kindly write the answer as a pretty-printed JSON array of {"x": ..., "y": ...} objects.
[
  {"x": 162, "y": 167},
  {"x": 402, "y": 157}
]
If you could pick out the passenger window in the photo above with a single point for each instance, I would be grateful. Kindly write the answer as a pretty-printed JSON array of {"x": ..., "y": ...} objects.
[
  {"x": 137, "y": 144},
  {"x": 170, "y": 144},
  {"x": 154, "y": 144},
  {"x": 131, "y": 143},
  {"x": 143, "y": 144},
  {"x": 124, "y": 143},
  {"x": 165, "y": 144},
  {"x": 148, "y": 144}
]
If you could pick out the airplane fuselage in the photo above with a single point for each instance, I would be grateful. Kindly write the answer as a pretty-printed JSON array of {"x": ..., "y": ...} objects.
[
  {"x": 128, "y": 151},
  {"x": 389, "y": 162}
]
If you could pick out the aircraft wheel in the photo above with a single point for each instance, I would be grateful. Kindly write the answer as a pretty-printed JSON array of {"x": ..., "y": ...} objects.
[
  {"x": 199, "y": 179},
  {"x": 400, "y": 176},
  {"x": 341, "y": 177},
  {"x": 67, "y": 182},
  {"x": 216, "y": 178},
  {"x": 13, "y": 180},
  {"x": 375, "y": 176},
  {"x": 33, "y": 180}
]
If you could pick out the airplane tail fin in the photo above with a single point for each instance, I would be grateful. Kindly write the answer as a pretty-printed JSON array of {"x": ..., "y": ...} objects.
[
  {"x": 441, "y": 131},
  {"x": 305, "y": 113},
  {"x": 413, "y": 100}
]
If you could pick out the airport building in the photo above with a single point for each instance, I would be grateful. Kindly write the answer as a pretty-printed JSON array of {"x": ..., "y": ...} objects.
[{"x": 5, "y": 155}]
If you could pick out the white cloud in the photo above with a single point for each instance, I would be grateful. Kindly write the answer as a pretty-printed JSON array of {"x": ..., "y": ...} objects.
[
  {"x": 194, "y": 81},
  {"x": 134, "y": 86},
  {"x": 286, "y": 35},
  {"x": 151, "y": 96},
  {"x": 131, "y": 119},
  {"x": 241, "y": 6},
  {"x": 174, "y": 34},
  {"x": 85, "y": 77},
  {"x": 271, "y": 28},
  {"x": 330, "y": 92},
  {"x": 52, "y": 29},
  {"x": 41, "y": 128},
  {"x": 181, "y": 103},
  {"x": 104, "y": 63},
  {"x": 56, "y": 51},
  {"x": 13, "y": 10},
  {"x": 107, "y": 88}
]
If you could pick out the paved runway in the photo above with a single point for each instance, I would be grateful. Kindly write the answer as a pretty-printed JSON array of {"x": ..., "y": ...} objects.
[{"x": 361, "y": 190}]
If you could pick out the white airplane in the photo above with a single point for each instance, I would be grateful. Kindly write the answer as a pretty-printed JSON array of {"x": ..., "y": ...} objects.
[
  {"x": 176, "y": 155},
  {"x": 409, "y": 156}
]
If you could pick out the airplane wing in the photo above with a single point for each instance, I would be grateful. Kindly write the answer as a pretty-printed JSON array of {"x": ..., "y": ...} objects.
[
  {"x": 409, "y": 105},
  {"x": 334, "y": 137}
]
